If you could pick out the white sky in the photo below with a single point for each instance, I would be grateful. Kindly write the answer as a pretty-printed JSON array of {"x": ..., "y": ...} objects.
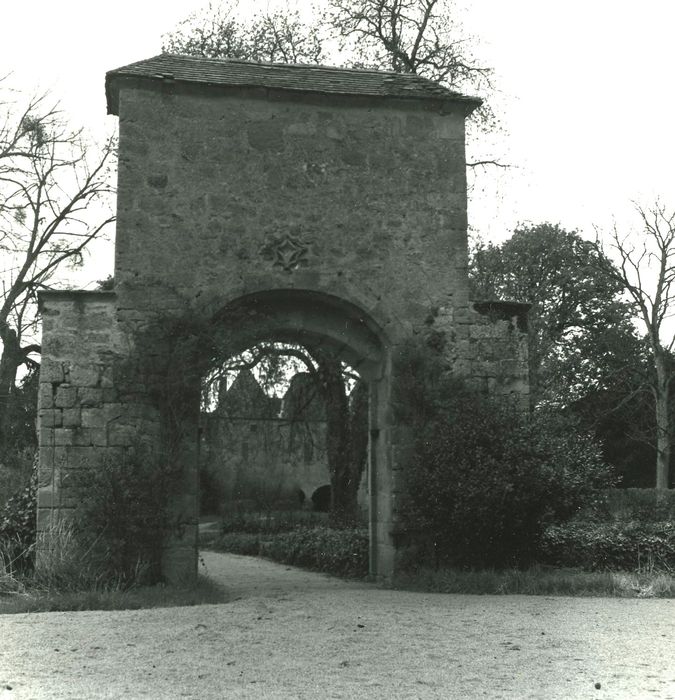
[{"x": 586, "y": 91}]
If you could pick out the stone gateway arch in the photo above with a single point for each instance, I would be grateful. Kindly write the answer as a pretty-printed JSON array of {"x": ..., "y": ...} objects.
[{"x": 300, "y": 203}]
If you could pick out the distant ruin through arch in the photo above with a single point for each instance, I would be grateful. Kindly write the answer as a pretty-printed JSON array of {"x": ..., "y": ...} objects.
[{"x": 332, "y": 199}]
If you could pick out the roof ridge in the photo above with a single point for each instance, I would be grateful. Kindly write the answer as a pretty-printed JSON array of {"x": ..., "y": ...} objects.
[{"x": 303, "y": 66}]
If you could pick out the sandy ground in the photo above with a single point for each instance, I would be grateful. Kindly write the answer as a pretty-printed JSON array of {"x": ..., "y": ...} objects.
[{"x": 292, "y": 634}]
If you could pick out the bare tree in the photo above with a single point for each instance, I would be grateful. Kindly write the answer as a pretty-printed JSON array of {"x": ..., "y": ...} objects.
[
  {"x": 217, "y": 32},
  {"x": 409, "y": 36},
  {"x": 48, "y": 183},
  {"x": 422, "y": 37},
  {"x": 646, "y": 271}
]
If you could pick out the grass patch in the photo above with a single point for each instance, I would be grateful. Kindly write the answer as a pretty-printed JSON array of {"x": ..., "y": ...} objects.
[
  {"x": 23, "y": 597},
  {"x": 540, "y": 581}
]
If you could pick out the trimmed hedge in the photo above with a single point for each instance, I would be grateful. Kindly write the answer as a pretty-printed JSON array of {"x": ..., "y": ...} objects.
[
  {"x": 628, "y": 546},
  {"x": 337, "y": 552}
]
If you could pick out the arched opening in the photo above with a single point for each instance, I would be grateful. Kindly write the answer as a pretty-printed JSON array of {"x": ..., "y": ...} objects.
[
  {"x": 334, "y": 334},
  {"x": 283, "y": 439}
]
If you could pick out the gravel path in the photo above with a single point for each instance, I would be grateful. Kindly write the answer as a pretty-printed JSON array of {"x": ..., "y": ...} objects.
[{"x": 292, "y": 634}]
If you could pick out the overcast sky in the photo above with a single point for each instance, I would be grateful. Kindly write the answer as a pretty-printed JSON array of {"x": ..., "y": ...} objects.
[{"x": 586, "y": 92}]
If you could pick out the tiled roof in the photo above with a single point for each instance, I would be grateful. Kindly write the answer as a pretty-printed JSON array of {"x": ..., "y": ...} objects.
[{"x": 281, "y": 76}]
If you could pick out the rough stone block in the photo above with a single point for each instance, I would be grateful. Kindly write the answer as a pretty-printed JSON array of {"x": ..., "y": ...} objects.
[
  {"x": 50, "y": 418},
  {"x": 90, "y": 397},
  {"x": 89, "y": 436},
  {"x": 93, "y": 418},
  {"x": 66, "y": 396},
  {"x": 83, "y": 376},
  {"x": 106, "y": 377},
  {"x": 51, "y": 371},
  {"x": 48, "y": 498},
  {"x": 81, "y": 457},
  {"x": 63, "y": 436},
  {"x": 109, "y": 394},
  {"x": 46, "y": 517},
  {"x": 121, "y": 435},
  {"x": 45, "y": 395},
  {"x": 46, "y": 474},
  {"x": 71, "y": 417}
]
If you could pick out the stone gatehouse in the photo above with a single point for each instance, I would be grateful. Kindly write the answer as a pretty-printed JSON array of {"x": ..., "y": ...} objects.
[{"x": 329, "y": 202}]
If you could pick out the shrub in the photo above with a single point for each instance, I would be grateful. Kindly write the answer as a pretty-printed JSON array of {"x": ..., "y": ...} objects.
[
  {"x": 539, "y": 580},
  {"x": 628, "y": 546},
  {"x": 120, "y": 521},
  {"x": 17, "y": 528},
  {"x": 483, "y": 480},
  {"x": 256, "y": 521},
  {"x": 340, "y": 552},
  {"x": 643, "y": 505},
  {"x": 246, "y": 543}
]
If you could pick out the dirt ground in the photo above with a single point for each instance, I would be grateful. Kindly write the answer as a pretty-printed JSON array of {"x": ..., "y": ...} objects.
[{"x": 291, "y": 634}]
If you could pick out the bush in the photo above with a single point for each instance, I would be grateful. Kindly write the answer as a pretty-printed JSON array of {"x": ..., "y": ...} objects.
[
  {"x": 643, "y": 505},
  {"x": 246, "y": 543},
  {"x": 120, "y": 520},
  {"x": 338, "y": 552},
  {"x": 628, "y": 546},
  {"x": 483, "y": 480},
  {"x": 539, "y": 580},
  {"x": 256, "y": 521},
  {"x": 17, "y": 528}
]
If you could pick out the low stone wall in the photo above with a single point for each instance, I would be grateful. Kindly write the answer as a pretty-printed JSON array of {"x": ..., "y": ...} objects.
[{"x": 82, "y": 418}]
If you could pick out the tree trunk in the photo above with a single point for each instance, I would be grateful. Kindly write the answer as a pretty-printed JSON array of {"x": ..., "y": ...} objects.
[
  {"x": 663, "y": 422},
  {"x": 342, "y": 506},
  {"x": 358, "y": 433},
  {"x": 10, "y": 360}
]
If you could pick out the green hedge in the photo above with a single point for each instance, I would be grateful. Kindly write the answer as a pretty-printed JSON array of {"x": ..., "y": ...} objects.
[
  {"x": 337, "y": 552},
  {"x": 628, "y": 546}
]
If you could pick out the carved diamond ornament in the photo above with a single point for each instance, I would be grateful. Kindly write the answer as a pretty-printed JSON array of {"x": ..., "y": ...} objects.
[{"x": 286, "y": 251}]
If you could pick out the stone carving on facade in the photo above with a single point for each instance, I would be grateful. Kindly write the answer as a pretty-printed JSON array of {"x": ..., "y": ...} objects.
[{"x": 286, "y": 251}]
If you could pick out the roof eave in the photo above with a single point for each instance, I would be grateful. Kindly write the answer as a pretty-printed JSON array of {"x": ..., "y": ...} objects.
[{"x": 113, "y": 77}]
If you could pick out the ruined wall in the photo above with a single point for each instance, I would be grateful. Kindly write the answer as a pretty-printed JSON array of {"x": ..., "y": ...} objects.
[
  {"x": 488, "y": 345},
  {"x": 262, "y": 461},
  {"x": 83, "y": 415}
]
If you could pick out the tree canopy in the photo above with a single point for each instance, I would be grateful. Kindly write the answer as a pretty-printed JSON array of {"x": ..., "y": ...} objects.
[
  {"x": 587, "y": 357},
  {"x": 577, "y": 308}
]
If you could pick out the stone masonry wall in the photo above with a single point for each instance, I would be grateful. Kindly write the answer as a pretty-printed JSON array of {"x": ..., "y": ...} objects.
[
  {"x": 82, "y": 416},
  {"x": 225, "y": 193},
  {"x": 488, "y": 346},
  {"x": 264, "y": 460}
]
